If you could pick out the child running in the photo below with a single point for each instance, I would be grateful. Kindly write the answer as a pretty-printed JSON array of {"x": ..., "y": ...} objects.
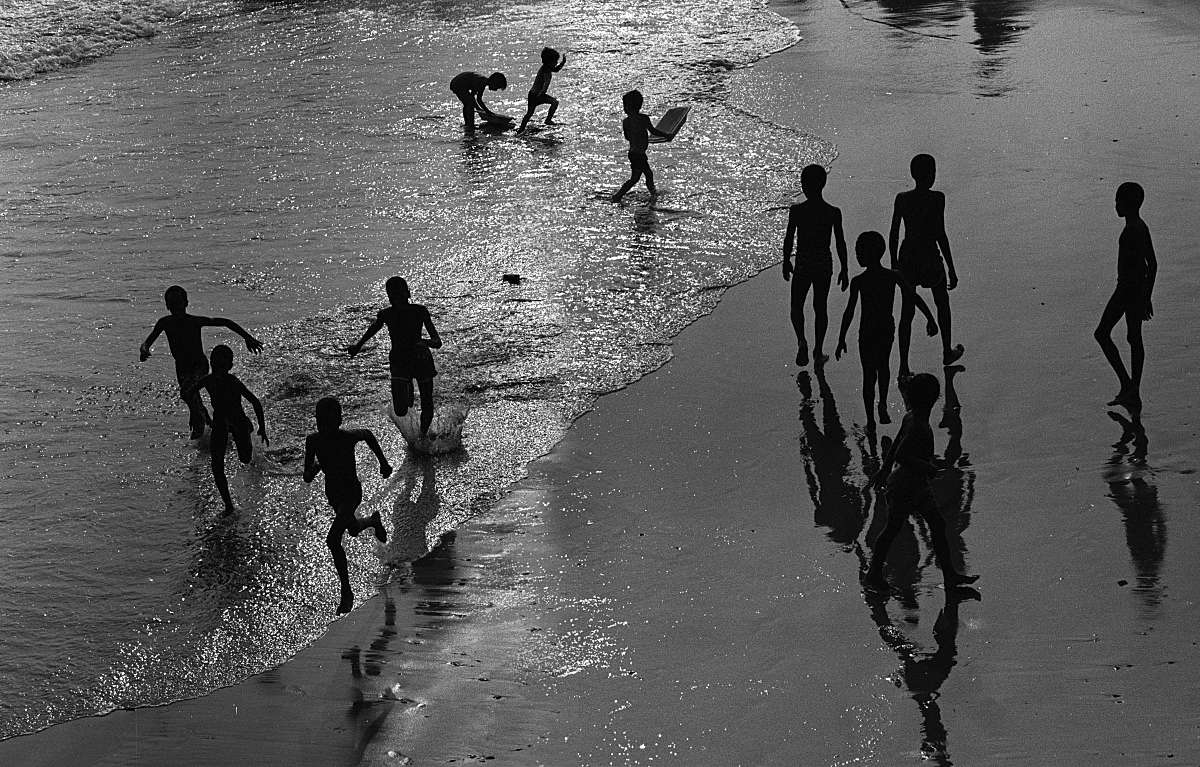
[
  {"x": 538, "y": 95},
  {"x": 469, "y": 87},
  {"x": 923, "y": 213},
  {"x": 810, "y": 225},
  {"x": 1136, "y": 270},
  {"x": 637, "y": 129},
  {"x": 410, "y": 358},
  {"x": 876, "y": 327},
  {"x": 908, "y": 488},
  {"x": 226, "y": 392},
  {"x": 331, "y": 450},
  {"x": 183, "y": 335}
]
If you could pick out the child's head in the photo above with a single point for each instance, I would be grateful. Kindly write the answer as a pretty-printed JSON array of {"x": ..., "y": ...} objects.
[
  {"x": 175, "y": 298},
  {"x": 397, "y": 290},
  {"x": 1130, "y": 196},
  {"x": 549, "y": 57},
  {"x": 921, "y": 391},
  {"x": 812, "y": 180},
  {"x": 329, "y": 414},
  {"x": 497, "y": 81},
  {"x": 923, "y": 169},
  {"x": 632, "y": 102},
  {"x": 221, "y": 358},
  {"x": 869, "y": 248}
]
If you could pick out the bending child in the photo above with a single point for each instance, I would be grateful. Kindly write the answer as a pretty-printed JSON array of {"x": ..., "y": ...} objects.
[
  {"x": 637, "y": 129},
  {"x": 469, "y": 87},
  {"x": 877, "y": 326},
  {"x": 908, "y": 487},
  {"x": 410, "y": 358},
  {"x": 183, "y": 335},
  {"x": 331, "y": 450},
  {"x": 920, "y": 256},
  {"x": 551, "y": 63},
  {"x": 226, "y": 392},
  {"x": 810, "y": 226},
  {"x": 1136, "y": 270}
]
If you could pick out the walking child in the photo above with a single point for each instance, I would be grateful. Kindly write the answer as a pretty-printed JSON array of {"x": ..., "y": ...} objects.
[
  {"x": 183, "y": 336},
  {"x": 410, "y": 358},
  {"x": 331, "y": 450},
  {"x": 908, "y": 487},
  {"x": 810, "y": 226},
  {"x": 538, "y": 94},
  {"x": 924, "y": 255},
  {"x": 1136, "y": 270},
  {"x": 637, "y": 129},
  {"x": 876, "y": 326},
  {"x": 226, "y": 392},
  {"x": 469, "y": 87}
]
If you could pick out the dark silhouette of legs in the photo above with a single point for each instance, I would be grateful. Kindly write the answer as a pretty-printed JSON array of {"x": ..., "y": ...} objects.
[
  {"x": 907, "y": 311},
  {"x": 345, "y": 522},
  {"x": 553, "y": 109},
  {"x": 197, "y": 414},
  {"x": 1130, "y": 392},
  {"x": 635, "y": 175},
  {"x": 216, "y": 446},
  {"x": 820, "y": 288},
  {"x": 941, "y": 300},
  {"x": 426, "y": 386},
  {"x": 402, "y": 395},
  {"x": 898, "y": 510},
  {"x": 800, "y": 285},
  {"x": 869, "y": 375},
  {"x": 883, "y": 373}
]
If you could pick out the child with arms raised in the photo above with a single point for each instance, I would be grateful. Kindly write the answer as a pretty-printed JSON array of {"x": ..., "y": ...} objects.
[{"x": 538, "y": 95}]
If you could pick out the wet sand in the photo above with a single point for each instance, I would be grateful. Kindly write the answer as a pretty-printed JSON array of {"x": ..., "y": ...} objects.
[{"x": 677, "y": 582}]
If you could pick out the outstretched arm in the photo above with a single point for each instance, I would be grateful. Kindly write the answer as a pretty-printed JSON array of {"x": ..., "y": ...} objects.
[
  {"x": 144, "y": 349},
  {"x": 366, "y": 435},
  {"x": 375, "y": 327},
  {"x": 435, "y": 341},
  {"x": 253, "y": 345},
  {"x": 944, "y": 245},
  {"x": 894, "y": 232},
  {"x": 258, "y": 411},
  {"x": 311, "y": 467},
  {"x": 840, "y": 239},
  {"x": 847, "y": 318}
]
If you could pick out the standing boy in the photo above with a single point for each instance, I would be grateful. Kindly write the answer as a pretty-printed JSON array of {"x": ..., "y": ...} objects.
[
  {"x": 469, "y": 87},
  {"x": 876, "y": 326},
  {"x": 410, "y": 358},
  {"x": 908, "y": 488},
  {"x": 331, "y": 449},
  {"x": 810, "y": 226},
  {"x": 538, "y": 94},
  {"x": 923, "y": 213},
  {"x": 1136, "y": 269},
  {"x": 637, "y": 129},
  {"x": 183, "y": 336},
  {"x": 225, "y": 392}
]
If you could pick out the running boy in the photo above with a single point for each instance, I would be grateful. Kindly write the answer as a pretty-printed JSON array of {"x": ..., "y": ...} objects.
[
  {"x": 331, "y": 449},
  {"x": 876, "y": 326},
  {"x": 551, "y": 63},
  {"x": 1136, "y": 269},
  {"x": 923, "y": 213},
  {"x": 810, "y": 225},
  {"x": 469, "y": 87},
  {"x": 637, "y": 129},
  {"x": 183, "y": 335},
  {"x": 908, "y": 488},
  {"x": 410, "y": 357},
  {"x": 225, "y": 392}
]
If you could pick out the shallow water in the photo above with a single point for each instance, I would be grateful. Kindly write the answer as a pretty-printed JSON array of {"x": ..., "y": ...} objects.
[{"x": 280, "y": 161}]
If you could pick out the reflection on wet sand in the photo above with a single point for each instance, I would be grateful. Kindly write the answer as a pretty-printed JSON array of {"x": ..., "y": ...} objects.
[
  {"x": 1131, "y": 488},
  {"x": 368, "y": 713},
  {"x": 837, "y": 501}
]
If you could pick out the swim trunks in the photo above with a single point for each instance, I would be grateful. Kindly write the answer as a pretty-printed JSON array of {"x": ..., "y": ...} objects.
[
  {"x": 343, "y": 492},
  {"x": 875, "y": 343},
  {"x": 415, "y": 363},
  {"x": 638, "y": 161},
  {"x": 921, "y": 264},
  {"x": 814, "y": 265}
]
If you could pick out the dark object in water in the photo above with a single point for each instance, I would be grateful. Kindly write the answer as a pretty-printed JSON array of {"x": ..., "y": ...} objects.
[{"x": 512, "y": 279}]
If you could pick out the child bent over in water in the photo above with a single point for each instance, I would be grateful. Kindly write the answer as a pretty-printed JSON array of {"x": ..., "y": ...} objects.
[{"x": 331, "y": 449}]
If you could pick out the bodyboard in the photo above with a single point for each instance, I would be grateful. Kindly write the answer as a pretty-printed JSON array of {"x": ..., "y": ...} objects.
[
  {"x": 445, "y": 431},
  {"x": 491, "y": 118},
  {"x": 670, "y": 124}
]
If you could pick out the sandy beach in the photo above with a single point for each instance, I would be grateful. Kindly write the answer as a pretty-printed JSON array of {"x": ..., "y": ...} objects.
[{"x": 677, "y": 582}]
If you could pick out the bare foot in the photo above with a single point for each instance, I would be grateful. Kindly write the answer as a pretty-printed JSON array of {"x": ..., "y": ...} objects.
[
  {"x": 820, "y": 358},
  {"x": 347, "y": 603},
  {"x": 802, "y": 354},
  {"x": 380, "y": 533},
  {"x": 884, "y": 418},
  {"x": 950, "y": 357},
  {"x": 960, "y": 579}
]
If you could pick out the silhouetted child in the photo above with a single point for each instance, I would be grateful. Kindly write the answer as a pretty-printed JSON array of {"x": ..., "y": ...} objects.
[
  {"x": 226, "y": 392},
  {"x": 810, "y": 226},
  {"x": 923, "y": 213},
  {"x": 538, "y": 94},
  {"x": 908, "y": 487},
  {"x": 1136, "y": 270},
  {"x": 469, "y": 87},
  {"x": 637, "y": 129},
  {"x": 331, "y": 450},
  {"x": 410, "y": 358},
  {"x": 183, "y": 336},
  {"x": 876, "y": 326}
]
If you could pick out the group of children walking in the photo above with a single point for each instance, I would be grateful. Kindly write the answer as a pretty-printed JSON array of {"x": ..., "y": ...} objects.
[{"x": 331, "y": 449}]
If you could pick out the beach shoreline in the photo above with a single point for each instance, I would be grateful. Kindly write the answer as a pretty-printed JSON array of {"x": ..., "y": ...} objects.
[{"x": 555, "y": 631}]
